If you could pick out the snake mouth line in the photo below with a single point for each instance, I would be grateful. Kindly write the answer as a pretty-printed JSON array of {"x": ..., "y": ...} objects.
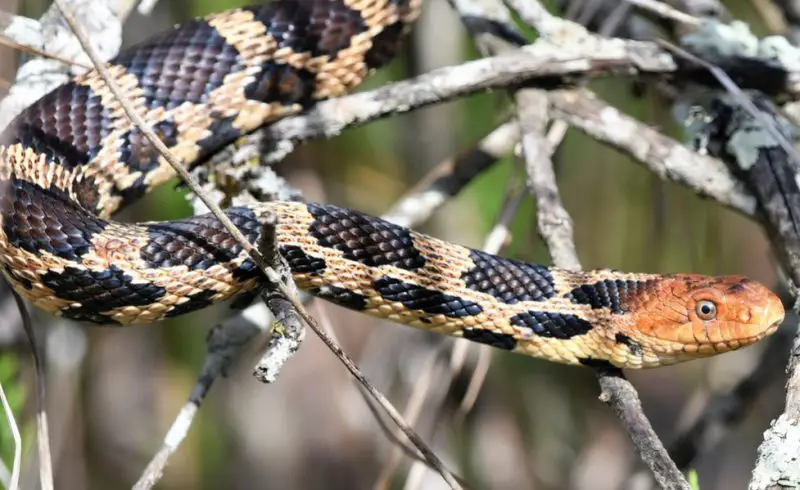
[{"x": 746, "y": 341}]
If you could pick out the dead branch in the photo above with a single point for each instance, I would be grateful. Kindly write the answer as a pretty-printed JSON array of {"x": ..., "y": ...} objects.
[{"x": 662, "y": 155}]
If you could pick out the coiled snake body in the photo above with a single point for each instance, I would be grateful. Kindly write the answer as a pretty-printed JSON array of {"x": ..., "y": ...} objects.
[{"x": 73, "y": 158}]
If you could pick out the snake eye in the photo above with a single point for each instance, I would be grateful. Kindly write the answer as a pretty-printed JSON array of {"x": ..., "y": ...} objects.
[{"x": 706, "y": 310}]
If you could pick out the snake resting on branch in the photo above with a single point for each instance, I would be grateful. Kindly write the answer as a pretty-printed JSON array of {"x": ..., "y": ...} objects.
[{"x": 73, "y": 158}]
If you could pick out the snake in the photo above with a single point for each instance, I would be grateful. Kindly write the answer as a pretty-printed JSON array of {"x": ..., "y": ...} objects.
[{"x": 72, "y": 159}]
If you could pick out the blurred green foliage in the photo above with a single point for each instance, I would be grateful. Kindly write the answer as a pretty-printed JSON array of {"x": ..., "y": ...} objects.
[{"x": 17, "y": 394}]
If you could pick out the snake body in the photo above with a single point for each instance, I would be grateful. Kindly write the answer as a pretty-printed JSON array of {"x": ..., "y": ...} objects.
[{"x": 73, "y": 159}]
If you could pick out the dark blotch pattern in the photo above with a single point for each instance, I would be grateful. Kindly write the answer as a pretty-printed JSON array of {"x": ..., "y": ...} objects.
[
  {"x": 429, "y": 301},
  {"x": 141, "y": 156},
  {"x": 80, "y": 314},
  {"x": 510, "y": 281},
  {"x": 320, "y": 27},
  {"x": 555, "y": 325},
  {"x": 195, "y": 302},
  {"x": 137, "y": 151},
  {"x": 136, "y": 190},
  {"x": 300, "y": 262},
  {"x": 612, "y": 294},
  {"x": 341, "y": 297},
  {"x": 365, "y": 239},
  {"x": 57, "y": 151},
  {"x": 247, "y": 270},
  {"x": 68, "y": 125},
  {"x": 499, "y": 340},
  {"x": 87, "y": 193},
  {"x": 633, "y": 346},
  {"x": 198, "y": 242},
  {"x": 597, "y": 363},
  {"x": 45, "y": 220},
  {"x": 221, "y": 132},
  {"x": 282, "y": 83},
  {"x": 385, "y": 46},
  {"x": 181, "y": 65},
  {"x": 99, "y": 291}
]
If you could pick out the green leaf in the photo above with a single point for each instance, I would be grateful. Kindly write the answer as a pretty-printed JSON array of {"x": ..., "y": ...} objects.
[{"x": 694, "y": 481}]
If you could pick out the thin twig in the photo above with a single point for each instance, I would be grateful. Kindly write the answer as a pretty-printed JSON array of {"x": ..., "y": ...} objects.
[
  {"x": 666, "y": 11},
  {"x": 476, "y": 380},
  {"x": 175, "y": 435},
  {"x": 5, "y": 474},
  {"x": 555, "y": 224},
  {"x": 413, "y": 408},
  {"x": 5, "y": 41},
  {"x": 12, "y": 423},
  {"x": 270, "y": 273},
  {"x": 495, "y": 240},
  {"x": 458, "y": 347},
  {"x": 42, "y": 426},
  {"x": 225, "y": 342},
  {"x": 285, "y": 340},
  {"x": 449, "y": 177}
]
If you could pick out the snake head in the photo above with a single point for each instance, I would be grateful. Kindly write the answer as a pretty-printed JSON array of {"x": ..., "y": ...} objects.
[{"x": 686, "y": 316}]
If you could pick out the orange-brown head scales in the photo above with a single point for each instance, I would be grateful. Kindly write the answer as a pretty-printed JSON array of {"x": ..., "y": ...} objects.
[{"x": 681, "y": 317}]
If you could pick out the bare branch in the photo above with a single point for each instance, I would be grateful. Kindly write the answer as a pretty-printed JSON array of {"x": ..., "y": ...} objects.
[
  {"x": 535, "y": 15},
  {"x": 662, "y": 155},
  {"x": 225, "y": 342},
  {"x": 287, "y": 332},
  {"x": 555, "y": 223},
  {"x": 177, "y": 432},
  {"x": 623, "y": 399},
  {"x": 450, "y": 176}
]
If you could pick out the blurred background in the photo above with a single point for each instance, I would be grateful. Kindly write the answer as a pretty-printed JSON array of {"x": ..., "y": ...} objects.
[{"x": 113, "y": 393}]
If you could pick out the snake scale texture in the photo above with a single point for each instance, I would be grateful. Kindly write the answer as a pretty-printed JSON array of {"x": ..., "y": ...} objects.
[{"x": 73, "y": 159}]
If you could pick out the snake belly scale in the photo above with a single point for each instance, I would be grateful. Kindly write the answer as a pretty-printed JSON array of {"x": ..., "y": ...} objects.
[{"x": 73, "y": 159}]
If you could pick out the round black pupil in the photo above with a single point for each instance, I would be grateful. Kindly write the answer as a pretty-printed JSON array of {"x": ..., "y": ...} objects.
[{"x": 706, "y": 309}]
